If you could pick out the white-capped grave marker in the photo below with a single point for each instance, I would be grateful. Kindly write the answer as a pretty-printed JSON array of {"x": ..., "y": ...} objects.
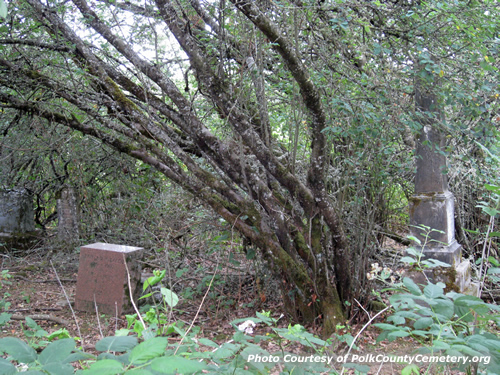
[{"x": 104, "y": 275}]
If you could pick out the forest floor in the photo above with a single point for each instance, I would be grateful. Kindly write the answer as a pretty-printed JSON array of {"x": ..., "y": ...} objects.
[{"x": 42, "y": 286}]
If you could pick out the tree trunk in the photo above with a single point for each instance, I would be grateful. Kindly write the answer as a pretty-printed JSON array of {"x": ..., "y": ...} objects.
[{"x": 232, "y": 163}]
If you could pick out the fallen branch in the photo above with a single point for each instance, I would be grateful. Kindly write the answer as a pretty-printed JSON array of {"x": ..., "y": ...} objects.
[
  {"x": 393, "y": 236},
  {"x": 38, "y": 308},
  {"x": 43, "y": 281},
  {"x": 40, "y": 317}
]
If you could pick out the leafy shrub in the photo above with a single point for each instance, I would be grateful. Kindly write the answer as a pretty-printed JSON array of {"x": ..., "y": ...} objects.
[
  {"x": 444, "y": 323},
  {"x": 158, "y": 355}
]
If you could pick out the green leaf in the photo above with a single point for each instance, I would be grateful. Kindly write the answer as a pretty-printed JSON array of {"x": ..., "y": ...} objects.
[
  {"x": 397, "y": 319},
  {"x": 226, "y": 350},
  {"x": 57, "y": 368},
  {"x": 4, "y": 317},
  {"x": 207, "y": 342},
  {"x": 466, "y": 350},
  {"x": 420, "y": 333},
  {"x": 468, "y": 301},
  {"x": 364, "y": 369},
  {"x": 492, "y": 344},
  {"x": 171, "y": 298},
  {"x": 3, "y": 9},
  {"x": 437, "y": 330},
  {"x": 433, "y": 291},
  {"x": 415, "y": 252},
  {"x": 423, "y": 323},
  {"x": 18, "y": 349},
  {"x": 122, "y": 332},
  {"x": 153, "y": 280},
  {"x": 414, "y": 239},
  {"x": 177, "y": 365},
  {"x": 412, "y": 287},
  {"x": 6, "y": 367},
  {"x": 444, "y": 307},
  {"x": 59, "y": 334},
  {"x": 484, "y": 342},
  {"x": 31, "y": 322},
  {"x": 408, "y": 260},
  {"x": 440, "y": 345},
  {"x": 180, "y": 272},
  {"x": 386, "y": 327},
  {"x": 78, "y": 356},
  {"x": 409, "y": 315},
  {"x": 493, "y": 188},
  {"x": 104, "y": 367},
  {"x": 474, "y": 344},
  {"x": 121, "y": 358},
  {"x": 57, "y": 351},
  {"x": 493, "y": 261},
  {"x": 148, "y": 350},
  {"x": 139, "y": 371},
  {"x": 402, "y": 301},
  {"x": 251, "y": 349},
  {"x": 493, "y": 270},
  {"x": 116, "y": 344},
  {"x": 146, "y": 296},
  {"x": 488, "y": 210},
  {"x": 464, "y": 313},
  {"x": 397, "y": 334},
  {"x": 382, "y": 336},
  {"x": 410, "y": 369}
]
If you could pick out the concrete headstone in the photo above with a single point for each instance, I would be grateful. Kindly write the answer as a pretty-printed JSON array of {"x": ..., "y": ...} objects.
[{"x": 103, "y": 278}]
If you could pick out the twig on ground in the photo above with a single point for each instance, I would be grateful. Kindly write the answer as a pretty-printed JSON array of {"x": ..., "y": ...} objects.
[
  {"x": 360, "y": 331},
  {"x": 69, "y": 304},
  {"x": 360, "y": 305},
  {"x": 130, "y": 293},
  {"x": 43, "y": 281},
  {"x": 35, "y": 309},
  {"x": 97, "y": 315},
  {"x": 40, "y": 317}
]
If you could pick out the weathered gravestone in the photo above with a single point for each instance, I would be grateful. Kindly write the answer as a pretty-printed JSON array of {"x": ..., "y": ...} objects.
[
  {"x": 68, "y": 215},
  {"x": 16, "y": 212},
  {"x": 107, "y": 275},
  {"x": 432, "y": 205}
]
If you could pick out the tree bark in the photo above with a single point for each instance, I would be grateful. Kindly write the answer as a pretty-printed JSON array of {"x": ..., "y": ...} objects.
[{"x": 240, "y": 175}]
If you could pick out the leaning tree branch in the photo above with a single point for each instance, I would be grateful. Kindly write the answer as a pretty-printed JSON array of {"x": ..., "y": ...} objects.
[
  {"x": 310, "y": 94},
  {"x": 37, "y": 43}
]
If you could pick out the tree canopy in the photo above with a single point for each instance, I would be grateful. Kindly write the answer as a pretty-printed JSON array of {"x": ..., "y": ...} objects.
[{"x": 293, "y": 120}]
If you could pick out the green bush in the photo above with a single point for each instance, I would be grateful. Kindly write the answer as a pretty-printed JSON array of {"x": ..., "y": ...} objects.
[{"x": 449, "y": 324}]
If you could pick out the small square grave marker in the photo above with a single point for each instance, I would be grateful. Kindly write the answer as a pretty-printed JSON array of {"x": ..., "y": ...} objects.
[{"x": 103, "y": 280}]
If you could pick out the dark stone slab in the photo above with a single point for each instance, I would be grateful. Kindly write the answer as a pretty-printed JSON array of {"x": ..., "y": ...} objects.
[
  {"x": 16, "y": 211},
  {"x": 103, "y": 280}
]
